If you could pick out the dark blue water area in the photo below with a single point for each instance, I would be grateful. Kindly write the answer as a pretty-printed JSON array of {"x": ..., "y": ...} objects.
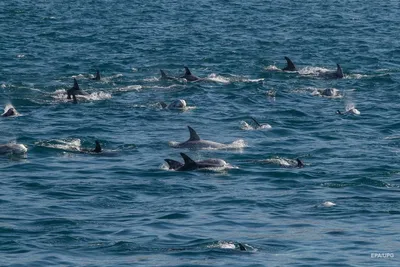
[{"x": 63, "y": 205}]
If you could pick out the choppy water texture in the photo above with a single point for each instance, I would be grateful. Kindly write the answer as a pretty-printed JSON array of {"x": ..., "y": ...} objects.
[{"x": 61, "y": 207}]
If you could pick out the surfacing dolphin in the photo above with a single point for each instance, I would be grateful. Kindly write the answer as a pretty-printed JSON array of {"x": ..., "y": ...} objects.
[
  {"x": 16, "y": 149},
  {"x": 289, "y": 66},
  {"x": 98, "y": 77},
  {"x": 189, "y": 76},
  {"x": 75, "y": 90},
  {"x": 10, "y": 112},
  {"x": 165, "y": 77},
  {"x": 191, "y": 165},
  {"x": 337, "y": 74},
  {"x": 97, "y": 149},
  {"x": 195, "y": 142},
  {"x": 176, "y": 104}
]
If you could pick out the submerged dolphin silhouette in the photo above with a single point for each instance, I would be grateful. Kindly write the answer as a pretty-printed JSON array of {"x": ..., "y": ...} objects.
[
  {"x": 194, "y": 141},
  {"x": 190, "y": 165}
]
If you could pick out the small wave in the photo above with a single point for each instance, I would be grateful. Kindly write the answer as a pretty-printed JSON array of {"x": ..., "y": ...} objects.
[
  {"x": 237, "y": 144},
  {"x": 313, "y": 71},
  {"x": 272, "y": 68},
  {"x": 282, "y": 162},
  {"x": 68, "y": 145},
  {"x": 129, "y": 88},
  {"x": 248, "y": 127},
  {"x": 218, "y": 78},
  {"x": 61, "y": 95}
]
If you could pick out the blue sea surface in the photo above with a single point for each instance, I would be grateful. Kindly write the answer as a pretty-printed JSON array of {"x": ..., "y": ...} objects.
[{"x": 123, "y": 207}]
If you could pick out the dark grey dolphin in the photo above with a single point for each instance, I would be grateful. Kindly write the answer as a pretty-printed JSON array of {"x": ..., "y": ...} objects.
[
  {"x": 191, "y": 165},
  {"x": 97, "y": 149},
  {"x": 256, "y": 122},
  {"x": 165, "y": 77},
  {"x": 9, "y": 112},
  {"x": 189, "y": 76},
  {"x": 97, "y": 78},
  {"x": 75, "y": 90},
  {"x": 300, "y": 163},
  {"x": 12, "y": 149},
  {"x": 194, "y": 141},
  {"x": 290, "y": 66},
  {"x": 337, "y": 74}
]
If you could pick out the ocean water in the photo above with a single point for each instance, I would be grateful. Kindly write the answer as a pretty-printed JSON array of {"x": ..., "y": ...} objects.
[{"x": 62, "y": 207}]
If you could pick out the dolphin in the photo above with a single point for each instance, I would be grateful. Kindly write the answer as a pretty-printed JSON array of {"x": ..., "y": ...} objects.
[
  {"x": 349, "y": 111},
  {"x": 256, "y": 122},
  {"x": 337, "y": 74},
  {"x": 75, "y": 90},
  {"x": 9, "y": 112},
  {"x": 241, "y": 247},
  {"x": 195, "y": 142},
  {"x": 165, "y": 77},
  {"x": 300, "y": 163},
  {"x": 13, "y": 149},
  {"x": 189, "y": 76},
  {"x": 97, "y": 78},
  {"x": 97, "y": 149},
  {"x": 329, "y": 92},
  {"x": 290, "y": 66},
  {"x": 191, "y": 165},
  {"x": 176, "y": 104}
]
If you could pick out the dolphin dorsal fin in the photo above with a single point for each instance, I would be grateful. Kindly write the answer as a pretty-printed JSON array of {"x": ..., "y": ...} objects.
[
  {"x": 300, "y": 164},
  {"x": 193, "y": 135},
  {"x": 76, "y": 85},
  {"x": 290, "y": 66},
  {"x": 187, "y": 71},
  {"x": 98, "y": 147},
  {"x": 188, "y": 161},
  {"x": 256, "y": 122},
  {"x": 339, "y": 71},
  {"x": 163, "y": 75},
  {"x": 173, "y": 164},
  {"x": 97, "y": 78}
]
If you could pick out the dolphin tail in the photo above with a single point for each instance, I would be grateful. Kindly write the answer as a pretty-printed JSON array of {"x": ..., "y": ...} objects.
[
  {"x": 98, "y": 147},
  {"x": 339, "y": 71},
  {"x": 173, "y": 164},
  {"x": 193, "y": 135},
  {"x": 189, "y": 163},
  {"x": 290, "y": 66},
  {"x": 256, "y": 122}
]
